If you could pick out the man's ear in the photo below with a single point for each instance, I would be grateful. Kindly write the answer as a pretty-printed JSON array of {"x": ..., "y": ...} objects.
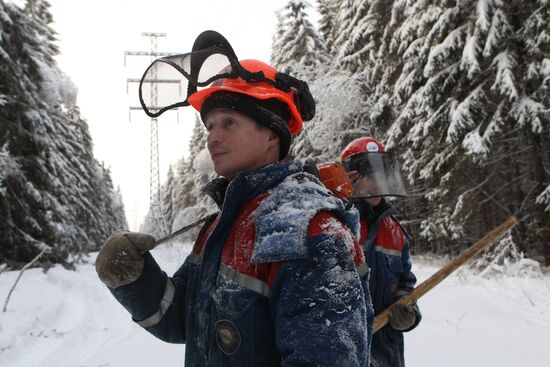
[{"x": 273, "y": 139}]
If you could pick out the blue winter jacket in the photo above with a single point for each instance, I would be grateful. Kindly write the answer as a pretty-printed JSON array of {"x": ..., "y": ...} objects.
[
  {"x": 273, "y": 279},
  {"x": 387, "y": 251}
]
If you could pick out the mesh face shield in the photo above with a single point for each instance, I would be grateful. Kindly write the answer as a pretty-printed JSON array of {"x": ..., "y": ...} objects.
[
  {"x": 168, "y": 79},
  {"x": 374, "y": 174}
]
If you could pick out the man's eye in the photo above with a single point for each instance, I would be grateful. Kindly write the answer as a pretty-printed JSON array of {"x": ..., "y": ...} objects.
[
  {"x": 228, "y": 122},
  {"x": 353, "y": 176}
]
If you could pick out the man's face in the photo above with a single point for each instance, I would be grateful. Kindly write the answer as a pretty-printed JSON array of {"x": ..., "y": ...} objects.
[
  {"x": 237, "y": 143},
  {"x": 367, "y": 186}
]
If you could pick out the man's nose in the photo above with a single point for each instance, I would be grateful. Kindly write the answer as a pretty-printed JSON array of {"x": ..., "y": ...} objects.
[{"x": 214, "y": 136}]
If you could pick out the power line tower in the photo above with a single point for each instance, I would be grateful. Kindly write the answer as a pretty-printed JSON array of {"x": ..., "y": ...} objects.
[{"x": 156, "y": 212}]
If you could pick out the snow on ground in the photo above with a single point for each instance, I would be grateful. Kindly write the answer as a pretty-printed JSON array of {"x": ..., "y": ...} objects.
[
  {"x": 68, "y": 319},
  {"x": 472, "y": 321}
]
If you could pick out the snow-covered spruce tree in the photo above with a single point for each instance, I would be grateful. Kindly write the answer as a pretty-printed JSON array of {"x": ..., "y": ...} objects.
[
  {"x": 159, "y": 224},
  {"x": 167, "y": 198},
  {"x": 54, "y": 194},
  {"x": 277, "y": 39},
  {"x": 343, "y": 23},
  {"x": 328, "y": 12},
  {"x": 118, "y": 206},
  {"x": 297, "y": 45},
  {"x": 360, "y": 33},
  {"x": 470, "y": 103},
  {"x": 337, "y": 93}
]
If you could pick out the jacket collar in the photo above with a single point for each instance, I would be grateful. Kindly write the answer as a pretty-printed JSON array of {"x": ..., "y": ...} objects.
[
  {"x": 251, "y": 183},
  {"x": 372, "y": 214}
]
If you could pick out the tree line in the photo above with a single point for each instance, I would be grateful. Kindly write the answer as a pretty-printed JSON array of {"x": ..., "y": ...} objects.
[
  {"x": 457, "y": 89},
  {"x": 54, "y": 194}
]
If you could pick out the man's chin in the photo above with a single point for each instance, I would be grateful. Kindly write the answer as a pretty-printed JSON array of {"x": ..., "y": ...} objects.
[{"x": 223, "y": 171}]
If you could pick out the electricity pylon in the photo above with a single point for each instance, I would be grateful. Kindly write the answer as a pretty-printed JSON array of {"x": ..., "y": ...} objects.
[{"x": 155, "y": 203}]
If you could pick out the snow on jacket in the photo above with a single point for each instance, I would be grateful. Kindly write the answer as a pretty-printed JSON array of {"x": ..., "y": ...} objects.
[
  {"x": 386, "y": 247},
  {"x": 275, "y": 278}
]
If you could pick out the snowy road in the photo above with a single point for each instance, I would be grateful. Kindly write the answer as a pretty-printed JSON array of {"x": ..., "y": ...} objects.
[{"x": 68, "y": 319}]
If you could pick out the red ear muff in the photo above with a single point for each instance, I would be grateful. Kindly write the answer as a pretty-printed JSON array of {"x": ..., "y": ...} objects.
[{"x": 306, "y": 103}]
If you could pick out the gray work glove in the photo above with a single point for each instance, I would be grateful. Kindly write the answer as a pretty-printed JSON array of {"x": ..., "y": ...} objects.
[
  {"x": 402, "y": 317},
  {"x": 120, "y": 260}
]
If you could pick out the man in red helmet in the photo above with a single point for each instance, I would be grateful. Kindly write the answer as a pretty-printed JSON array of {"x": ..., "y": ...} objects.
[
  {"x": 276, "y": 276},
  {"x": 375, "y": 174}
]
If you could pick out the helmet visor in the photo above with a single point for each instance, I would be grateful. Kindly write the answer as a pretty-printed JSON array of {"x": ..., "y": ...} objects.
[
  {"x": 374, "y": 174},
  {"x": 168, "y": 81}
]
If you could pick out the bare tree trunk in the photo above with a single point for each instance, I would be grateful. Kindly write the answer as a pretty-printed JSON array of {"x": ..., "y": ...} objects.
[
  {"x": 543, "y": 218},
  {"x": 516, "y": 198}
]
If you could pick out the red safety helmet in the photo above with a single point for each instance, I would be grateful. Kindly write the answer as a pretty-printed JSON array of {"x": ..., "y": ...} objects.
[
  {"x": 361, "y": 145},
  {"x": 259, "y": 90},
  {"x": 335, "y": 178}
]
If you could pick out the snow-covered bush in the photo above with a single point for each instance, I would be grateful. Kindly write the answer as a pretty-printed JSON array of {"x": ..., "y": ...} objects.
[{"x": 504, "y": 259}]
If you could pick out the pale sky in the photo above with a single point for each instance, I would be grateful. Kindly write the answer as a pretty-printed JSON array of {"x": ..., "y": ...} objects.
[{"x": 93, "y": 36}]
